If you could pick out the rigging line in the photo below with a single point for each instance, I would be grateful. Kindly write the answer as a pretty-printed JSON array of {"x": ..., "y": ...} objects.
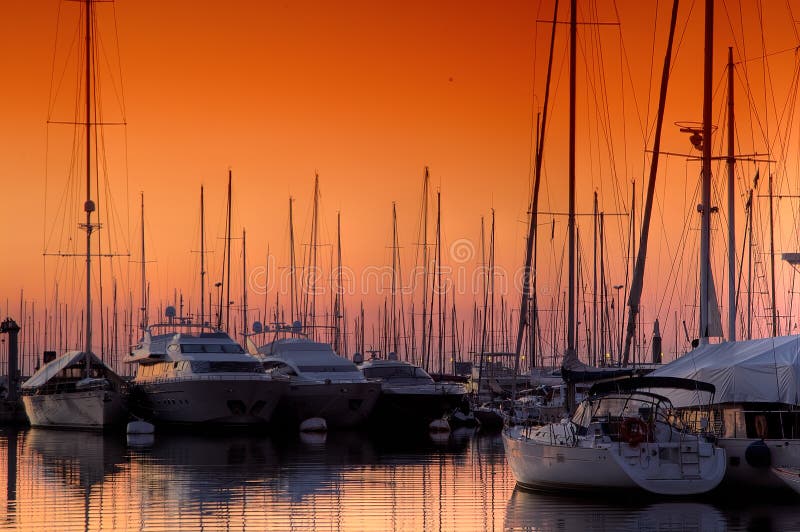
[
  {"x": 603, "y": 122},
  {"x": 682, "y": 245}
]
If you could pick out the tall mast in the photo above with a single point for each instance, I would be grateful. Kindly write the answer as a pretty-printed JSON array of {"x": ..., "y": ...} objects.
[
  {"x": 705, "y": 227},
  {"x": 292, "y": 267},
  {"x": 202, "y": 257},
  {"x": 88, "y": 205},
  {"x": 143, "y": 273},
  {"x": 439, "y": 277},
  {"x": 571, "y": 218},
  {"x": 638, "y": 273},
  {"x": 394, "y": 277},
  {"x": 530, "y": 251},
  {"x": 731, "y": 212},
  {"x": 570, "y": 353},
  {"x": 312, "y": 272},
  {"x": 337, "y": 308},
  {"x": 772, "y": 258},
  {"x": 228, "y": 257},
  {"x": 750, "y": 265},
  {"x": 244, "y": 282},
  {"x": 425, "y": 179}
]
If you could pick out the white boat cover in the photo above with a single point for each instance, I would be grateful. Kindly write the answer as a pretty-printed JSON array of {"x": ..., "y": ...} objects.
[
  {"x": 51, "y": 369},
  {"x": 752, "y": 371}
]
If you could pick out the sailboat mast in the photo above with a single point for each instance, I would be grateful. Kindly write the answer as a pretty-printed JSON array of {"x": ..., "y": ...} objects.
[
  {"x": 425, "y": 180},
  {"x": 143, "y": 271},
  {"x": 705, "y": 227},
  {"x": 571, "y": 216},
  {"x": 202, "y": 258},
  {"x": 89, "y": 205},
  {"x": 731, "y": 211},
  {"x": 337, "y": 316},
  {"x": 228, "y": 257},
  {"x": 313, "y": 270},
  {"x": 638, "y": 273},
  {"x": 292, "y": 266},
  {"x": 439, "y": 277},
  {"x": 394, "y": 277},
  {"x": 244, "y": 282}
]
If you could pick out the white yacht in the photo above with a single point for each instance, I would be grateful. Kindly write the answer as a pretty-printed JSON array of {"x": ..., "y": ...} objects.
[
  {"x": 409, "y": 395},
  {"x": 321, "y": 383},
  {"x": 627, "y": 438},
  {"x": 201, "y": 377},
  {"x": 76, "y": 390}
]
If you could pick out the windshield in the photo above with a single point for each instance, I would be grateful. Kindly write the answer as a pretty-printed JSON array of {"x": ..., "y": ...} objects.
[{"x": 644, "y": 406}]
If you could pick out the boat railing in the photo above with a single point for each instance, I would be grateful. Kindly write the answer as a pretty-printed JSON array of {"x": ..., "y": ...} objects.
[{"x": 218, "y": 377}]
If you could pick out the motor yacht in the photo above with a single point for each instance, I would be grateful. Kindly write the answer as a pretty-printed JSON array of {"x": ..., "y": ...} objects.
[
  {"x": 321, "y": 383},
  {"x": 197, "y": 375},
  {"x": 409, "y": 394}
]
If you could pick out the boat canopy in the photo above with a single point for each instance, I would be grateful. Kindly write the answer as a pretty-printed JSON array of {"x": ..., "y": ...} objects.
[
  {"x": 649, "y": 383},
  {"x": 752, "y": 371},
  {"x": 51, "y": 369}
]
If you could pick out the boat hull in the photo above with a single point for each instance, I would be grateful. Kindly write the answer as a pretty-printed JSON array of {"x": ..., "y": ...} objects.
[
  {"x": 90, "y": 409},
  {"x": 220, "y": 401},
  {"x": 406, "y": 407},
  {"x": 539, "y": 466},
  {"x": 341, "y": 405},
  {"x": 741, "y": 470},
  {"x": 685, "y": 467}
]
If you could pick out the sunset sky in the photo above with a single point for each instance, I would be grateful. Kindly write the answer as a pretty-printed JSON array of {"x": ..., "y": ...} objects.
[{"x": 367, "y": 94}]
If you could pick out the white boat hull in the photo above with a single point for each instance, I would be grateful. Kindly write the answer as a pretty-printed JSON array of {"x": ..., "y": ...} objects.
[
  {"x": 90, "y": 409},
  {"x": 679, "y": 468},
  {"x": 239, "y": 401}
]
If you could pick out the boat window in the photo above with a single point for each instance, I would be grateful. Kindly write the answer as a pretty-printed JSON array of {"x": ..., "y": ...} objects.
[
  {"x": 213, "y": 348},
  {"x": 204, "y": 366},
  {"x": 191, "y": 348},
  {"x": 334, "y": 368},
  {"x": 232, "y": 348}
]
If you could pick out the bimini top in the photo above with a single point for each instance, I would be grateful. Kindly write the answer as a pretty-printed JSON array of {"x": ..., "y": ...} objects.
[
  {"x": 54, "y": 367},
  {"x": 651, "y": 383},
  {"x": 752, "y": 371}
]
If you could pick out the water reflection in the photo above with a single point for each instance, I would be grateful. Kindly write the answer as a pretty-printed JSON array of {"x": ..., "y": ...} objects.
[
  {"x": 529, "y": 510},
  {"x": 345, "y": 481}
]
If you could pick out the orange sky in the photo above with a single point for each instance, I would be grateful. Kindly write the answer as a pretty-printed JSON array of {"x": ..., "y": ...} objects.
[{"x": 367, "y": 94}]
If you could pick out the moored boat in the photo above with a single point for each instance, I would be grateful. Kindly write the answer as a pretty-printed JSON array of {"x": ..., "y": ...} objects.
[
  {"x": 191, "y": 374},
  {"x": 321, "y": 384},
  {"x": 628, "y": 438},
  {"x": 76, "y": 390},
  {"x": 409, "y": 395}
]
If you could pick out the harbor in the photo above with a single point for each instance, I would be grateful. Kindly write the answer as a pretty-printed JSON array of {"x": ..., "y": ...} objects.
[{"x": 269, "y": 283}]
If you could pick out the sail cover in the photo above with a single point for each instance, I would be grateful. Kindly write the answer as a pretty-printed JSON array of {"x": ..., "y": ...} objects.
[
  {"x": 51, "y": 369},
  {"x": 753, "y": 371}
]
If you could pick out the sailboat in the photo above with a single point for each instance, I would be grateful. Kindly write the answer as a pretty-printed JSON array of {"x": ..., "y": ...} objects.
[
  {"x": 756, "y": 413},
  {"x": 78, "y": 390},
  {"x": 620, "y": 436}
]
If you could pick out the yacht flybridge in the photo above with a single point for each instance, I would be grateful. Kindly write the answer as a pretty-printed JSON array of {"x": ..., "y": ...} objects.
[
  {"x": 195, "y": 374},
  {"x": 623, "y": 436}
]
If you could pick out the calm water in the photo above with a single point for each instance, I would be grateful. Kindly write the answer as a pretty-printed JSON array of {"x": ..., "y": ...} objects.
[{"x": 57, "y": 480}]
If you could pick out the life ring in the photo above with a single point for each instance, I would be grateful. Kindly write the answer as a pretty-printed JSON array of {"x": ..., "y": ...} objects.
[
  {"x": 761, "y": 426},
  {"x": 633, "y": 431}
]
